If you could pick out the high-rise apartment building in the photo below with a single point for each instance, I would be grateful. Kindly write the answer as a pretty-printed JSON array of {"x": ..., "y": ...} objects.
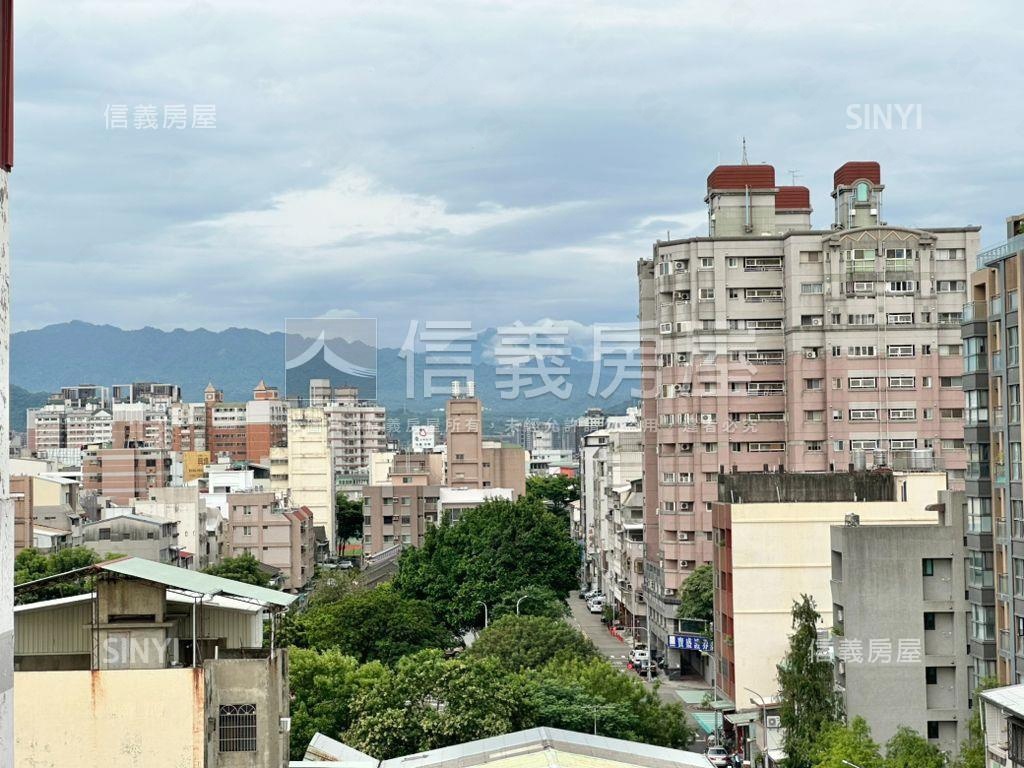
[
  {"x": 125, "y": 474},
  {"x": 770, "y": 344},
  {"x": 356, "y": 432},
  {"x": 992, "y": 394}
]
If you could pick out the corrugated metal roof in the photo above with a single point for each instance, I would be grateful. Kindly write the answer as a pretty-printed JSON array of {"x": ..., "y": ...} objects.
[
  {"x": 850, "y": 172},
  {"x": 1011, "y": 697},
  {"x": 601, "y": 750},
  {"x": 194, "y": 581}
]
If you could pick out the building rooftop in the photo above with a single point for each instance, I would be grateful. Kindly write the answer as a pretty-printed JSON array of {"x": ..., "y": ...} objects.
[
  {"x": 172, "y": 577},
  {"x": 1010, "y": 698}
]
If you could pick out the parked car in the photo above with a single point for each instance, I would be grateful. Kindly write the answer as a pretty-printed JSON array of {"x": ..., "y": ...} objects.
[
  {"x": 346, "y": 565},
  {"x": 718, "y": 757},
  {"x": 595, "y": 606},
  {"x": 639, "y": 653}
]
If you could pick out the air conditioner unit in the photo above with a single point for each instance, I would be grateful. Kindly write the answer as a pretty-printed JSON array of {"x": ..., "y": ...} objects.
[
  {"x": 685, "y": 536},
  {"x": 286, "y": 724},
  {"x": 811, "y": 354},
  {"x": 773, "y": 721},
  {"x": 815, "y": 321}
]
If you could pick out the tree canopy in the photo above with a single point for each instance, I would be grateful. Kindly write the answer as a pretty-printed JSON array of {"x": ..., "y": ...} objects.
[
  {"x": 348, "y": 514},
  {"x": 523, "y": 642},
  {"x": 809, "y": 703},
  {"x": 244, "y": 568},
  {"x": 373, "y": 625},
  {"x": 556, "y": 492},
  {"x": 697, "y": 595},
  {"x": 490, "y": 555},
  {"x": 31, "y": 565},
  {"x": 839, "y": 745}
]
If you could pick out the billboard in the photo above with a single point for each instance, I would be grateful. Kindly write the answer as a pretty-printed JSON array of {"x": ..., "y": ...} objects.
[
  {"x": 193, "y": 464},
  {"x": 423, "y": 438}
]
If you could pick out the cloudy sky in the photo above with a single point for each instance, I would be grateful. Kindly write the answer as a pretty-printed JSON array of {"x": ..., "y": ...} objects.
[{"x": 490, "y": 161}]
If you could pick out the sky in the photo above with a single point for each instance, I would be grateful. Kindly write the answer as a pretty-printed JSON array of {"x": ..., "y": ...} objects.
[{"x": 483, "y": 161}]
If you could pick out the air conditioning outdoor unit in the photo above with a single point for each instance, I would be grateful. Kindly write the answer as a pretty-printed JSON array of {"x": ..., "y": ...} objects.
[
  {"x": 811, "y": 355},
  {"x": 773, "y": 721},
  {"x": 815, "y": 321}
]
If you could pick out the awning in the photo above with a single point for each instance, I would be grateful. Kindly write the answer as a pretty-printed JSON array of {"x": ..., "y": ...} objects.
[
  {"x": 705, "y": 720},
  {"x": 743, "y": 718}
]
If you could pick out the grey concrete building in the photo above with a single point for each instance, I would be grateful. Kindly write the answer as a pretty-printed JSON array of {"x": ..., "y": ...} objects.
[
  {"x": 900, "y": 619},
  {"x": 149, "y": 538}
]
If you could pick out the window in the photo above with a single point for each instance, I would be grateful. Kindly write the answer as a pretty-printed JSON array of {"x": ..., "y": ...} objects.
[
  {"x": 868, "y": 319},
  {"x": 902, "y": 414},
  {"x": 863, "y": 414},
  {"x": 814, "y": 446},
  {"x": 813, "y": 384},
  {"x": 710, "y": 447},
  {"x": 905, "y": 444},
  {"x": 811, "y": 320},
  {"x": 1013, "y": 401},
  {"x": 952, "y": 443},
  {"x": 837, "y": 445},
  {"x": 900, "y": 286},
  {"x": 707, "y": 262},
  {"x": 706, "y": 294},
  {"x": 813, "y": 415},
  {"x": 837, "y": 415},
  {"x": 863, "y": 382},
  {"x": 861, "y": 350},
  {"x": 951, "y": 413},
  {"x": 837, "y": 351},
  {"x": 862, "y": 255},
  {"x": 900, "y": 350},
  {"x": 901, "y": 382},
  {"x": 927, "y": 567},
  {"x": 766, "y": 447},
  {"x": 837, "y": 383},
  {"x": 862, "y": 194},
  {"x": 929, "y": 621},
  {"x": 762, "y": 294},
  {"x": 863, "y": 286},
  {"x": 949, "y": 318},
  {"x": 1012, "y": 345},
  {"x": 732, "y": 263},
  {"x": 898, "y": 254},
  {"x": 950, "y": 350},
  {"x": 931, "y": 675},
  {"x": 236, "y": 728},
  {"x": 951, "y": 286},
  {"x": 810, "y": 288}
]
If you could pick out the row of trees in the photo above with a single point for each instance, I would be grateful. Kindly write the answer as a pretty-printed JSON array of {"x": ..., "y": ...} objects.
[
  {"x": 811, "y": 712},
  {"x": 523, "y": 672},
  {"x": 32, "y": 565}
]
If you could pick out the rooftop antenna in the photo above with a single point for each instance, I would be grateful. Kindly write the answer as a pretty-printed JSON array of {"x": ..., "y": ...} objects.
[
  {"x": 794, "y": 175},
  {"x": 744, "y": 161}
]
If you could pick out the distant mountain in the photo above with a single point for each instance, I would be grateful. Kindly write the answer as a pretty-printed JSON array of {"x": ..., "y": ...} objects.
[
  {"x": 236, "y": 359},
  {"x": 21, "y": 400}
]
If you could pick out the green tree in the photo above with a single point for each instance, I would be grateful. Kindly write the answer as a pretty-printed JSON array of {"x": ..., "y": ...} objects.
[
  {"x": 493, "y": 552},
  {"x": 972, "y": 749},
  {"x": 529, "y": 642},
  {"x": 537, "y": 601},
  {"x": 374, "y": 625},
  {"x": 31, "y": 565},
  {"x": 909, "y": 749},
  {"x": 323, "y": 685},
  {"x": 556, "y": 492},
  {"x": 348, "y": 514},
  {"x": 244, "y": 568},
  {"x": 809, "y": 703},
  {"x": 630, "y": 710},
  {"x": 428, "y": 702},
  {"x": 838, "y": 743},
  {"x": 697, "y": 596}
]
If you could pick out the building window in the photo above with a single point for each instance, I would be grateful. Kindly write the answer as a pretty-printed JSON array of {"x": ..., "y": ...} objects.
[
  {"x": 927, "y": 567},
  {"x": 810, "y": 288},
  {"x": 236, "y": 728},
  {"x": 931, "y": 675},
  {"x": 862, "y": 192},
  {"x": 933, "y": 729},
  {"x": 706, "y": 294},
  {"x": 929, "y": 621}
]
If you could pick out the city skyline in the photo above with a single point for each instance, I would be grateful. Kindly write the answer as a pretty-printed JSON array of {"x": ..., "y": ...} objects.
[{"x": 456, "y": 161}]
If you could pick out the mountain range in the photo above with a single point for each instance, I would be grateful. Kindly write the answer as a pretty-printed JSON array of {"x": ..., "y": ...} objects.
[{"x": 235, "y": 359}]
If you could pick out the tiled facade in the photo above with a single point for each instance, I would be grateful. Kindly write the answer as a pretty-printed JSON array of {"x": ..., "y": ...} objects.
[{"x": 769, "y": 344}]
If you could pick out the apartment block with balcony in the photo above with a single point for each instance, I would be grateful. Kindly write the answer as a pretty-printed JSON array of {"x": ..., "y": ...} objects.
[
  {"x": 995, "y": 470},
  {"x": 357, "y": 431},
  {"x": 261, "y": 525},
  {"x": 770, "y": 344},
  {"x": 124, "y": 474}
]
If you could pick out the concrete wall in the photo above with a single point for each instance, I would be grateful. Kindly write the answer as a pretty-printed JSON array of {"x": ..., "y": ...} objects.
[
  {"x": 878, "y": 583},
  {"x": 237, "y": 681},
  {"x": 137, "y": 719}
]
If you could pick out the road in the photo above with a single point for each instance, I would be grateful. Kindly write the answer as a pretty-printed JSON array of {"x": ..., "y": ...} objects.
[{"x": 617, "y": 652}]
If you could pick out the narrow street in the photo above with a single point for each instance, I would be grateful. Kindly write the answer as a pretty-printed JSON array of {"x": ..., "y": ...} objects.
[{"x": 617, "y": 652}]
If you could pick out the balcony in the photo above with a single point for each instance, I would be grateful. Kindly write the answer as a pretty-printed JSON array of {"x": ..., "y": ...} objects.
[
  {"x": 860, "y": 267},
  {"x": 1013, "y": 245},
  {"x": 978, "y": 470},
  {"x": 995, "y": 305}
]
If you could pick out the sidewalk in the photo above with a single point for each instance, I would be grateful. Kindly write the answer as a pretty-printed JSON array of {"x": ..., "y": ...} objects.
[{"x": 689, "y": 691}]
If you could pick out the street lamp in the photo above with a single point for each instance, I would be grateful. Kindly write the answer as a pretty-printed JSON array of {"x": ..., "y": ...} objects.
[
  {"x": 519, "y": 601},
  {"x": 764, "y": 722},
  {"x": 714, "y": 693},
  {"x": 481, "y": 602}
]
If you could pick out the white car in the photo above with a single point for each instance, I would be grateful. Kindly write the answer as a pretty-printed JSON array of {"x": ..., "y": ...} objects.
[
  {"x": 595, "y": 606},
  {"x": 640, "y": 654},
  {"x": 718, "y": 757}
]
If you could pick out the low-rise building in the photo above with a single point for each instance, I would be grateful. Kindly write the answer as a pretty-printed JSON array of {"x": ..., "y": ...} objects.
[
  {"x": 773, "y": 544},
  {"x": 259, "y": 524},
  {"x": 899, "y": 613},
  {"x": 166, "y": 665},
  {"x": 124, "y": 533}
]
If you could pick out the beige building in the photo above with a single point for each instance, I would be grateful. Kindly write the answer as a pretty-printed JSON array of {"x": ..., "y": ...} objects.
[
  {"x": 474, "y": 462},
  {"x": 310, "y": 467},
  {"x": 125, "y": 474},
  {"x": 769, "y": 552},
  {"x": 152, "y": 669},
  {"x": 186, "y": 506},
  {"x": 259, "y": 524}
]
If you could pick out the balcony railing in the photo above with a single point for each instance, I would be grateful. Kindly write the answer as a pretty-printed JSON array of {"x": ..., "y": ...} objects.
[
  {"x": 974, "y": 310},
  {"x": 990, "y": 255}
]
